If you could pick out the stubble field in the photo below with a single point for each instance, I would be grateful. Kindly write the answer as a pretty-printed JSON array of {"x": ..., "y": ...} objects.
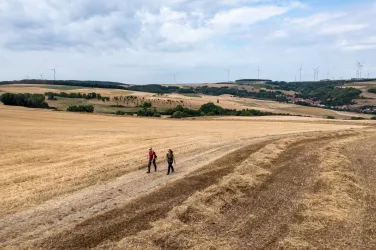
[
  {"x": 162, "y": 102},
  {"x": 75, "y": 181}
]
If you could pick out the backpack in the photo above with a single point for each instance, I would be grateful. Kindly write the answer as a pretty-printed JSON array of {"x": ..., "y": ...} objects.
[
  {"x": 155, "y": 155},
  {"x": 170, "y": 157}
]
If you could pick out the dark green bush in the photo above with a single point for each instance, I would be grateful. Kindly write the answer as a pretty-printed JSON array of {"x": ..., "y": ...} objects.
[
  {"x": 330, "y": 117},
  {"x": 179, "y": 114},
  {"x": 119, "y": 112},
  {"x": 81, "y": 108},
  {"x": 357, "y": 118}
]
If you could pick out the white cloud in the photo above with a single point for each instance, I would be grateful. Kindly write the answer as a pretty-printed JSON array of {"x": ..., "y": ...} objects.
[
  {"x": 358, "y": 44},
  {"x": 143, "y": 41},
  {"x": 246, "y": 15},
  {"x": 313, "y": 20},
  {"x": 341, "y": 28}
]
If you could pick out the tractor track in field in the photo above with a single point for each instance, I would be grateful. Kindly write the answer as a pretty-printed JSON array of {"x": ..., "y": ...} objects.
[{"x": 263, "y": 212}]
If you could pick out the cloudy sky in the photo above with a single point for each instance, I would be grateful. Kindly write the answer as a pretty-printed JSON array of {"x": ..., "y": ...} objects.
[{"x": 148, "y": 41}]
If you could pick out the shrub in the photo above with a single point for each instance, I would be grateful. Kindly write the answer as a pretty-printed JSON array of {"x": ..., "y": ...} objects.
[
  {"x": 373, "y": 118},
  {"x": 146, "y": 105},
  {"x": 179, "y": 114},
  {"x": 119, "y": 112},
  {"x": 81, "y": 108},
  {"x": 330, "y": 117},
  {"x": 357, "y": 118},
  {"x": 145, "y": 112}
]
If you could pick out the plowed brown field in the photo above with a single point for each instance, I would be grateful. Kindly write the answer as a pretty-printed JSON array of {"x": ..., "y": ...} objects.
[{"x": 75, "y": 181}]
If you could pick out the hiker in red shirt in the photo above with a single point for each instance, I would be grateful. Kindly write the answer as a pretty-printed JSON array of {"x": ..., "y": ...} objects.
[{"x": 152, "y": 158}]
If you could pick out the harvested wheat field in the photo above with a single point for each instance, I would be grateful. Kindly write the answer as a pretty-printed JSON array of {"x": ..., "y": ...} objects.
[
  {"x": 195, "y": 102},
  {"x": 76, "y": 181}
]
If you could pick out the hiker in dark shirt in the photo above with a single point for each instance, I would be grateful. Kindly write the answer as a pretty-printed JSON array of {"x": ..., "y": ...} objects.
[
  {"x": 170, "y": 160},
  {"x": 152, "y": 158}
]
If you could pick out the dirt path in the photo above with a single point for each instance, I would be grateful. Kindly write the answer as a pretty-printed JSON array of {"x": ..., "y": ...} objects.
[
  {"x": 63, "y": 213},
  {"x": 137, "y": 215}
]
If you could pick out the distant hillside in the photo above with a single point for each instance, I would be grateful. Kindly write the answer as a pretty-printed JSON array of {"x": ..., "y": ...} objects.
[
  {"x": 250, "y": 81},
  {"x": 86, "y": 84}
]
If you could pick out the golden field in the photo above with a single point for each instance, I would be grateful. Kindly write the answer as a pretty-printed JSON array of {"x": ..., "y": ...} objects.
[
  {"x": 161, "y": 102},
  {"x": 78, "y": 181}
]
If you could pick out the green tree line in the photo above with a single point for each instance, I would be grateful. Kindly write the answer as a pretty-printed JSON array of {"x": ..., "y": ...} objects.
[
  {"x": 89, "y": 96},
  {"x": 24, "y": 100}
]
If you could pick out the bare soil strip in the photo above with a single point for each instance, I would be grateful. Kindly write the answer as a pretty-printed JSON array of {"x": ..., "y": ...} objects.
[{"x": 137, "y": 215}]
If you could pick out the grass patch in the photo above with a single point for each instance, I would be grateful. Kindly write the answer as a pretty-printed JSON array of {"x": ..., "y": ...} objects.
[
  {"x": 192, "y": 95},
  {"x": 108, "y": 109},
  {"x": 62, "y": 87}
]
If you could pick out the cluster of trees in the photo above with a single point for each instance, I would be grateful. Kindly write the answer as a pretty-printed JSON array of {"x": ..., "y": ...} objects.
[
  {"x": 180, "y": 112},
  {"x": 86, "y": 84},
  {"x": 148, "y": 112},
  {"x": 328, "y": 92},
  {"x": 373, "y": 90},
  {"x": 89, "y": 96},
  {"x": 210, "y": 109},
  {"x": 81, "y": 108},
  {"x": 154, "y": 88},
  {"x": 25, "y": 100},
  {"x": 333, "y": 96},
  {"x": 126, "y": 99},
  {"x": 234, "y": 91},
  {"x": 251, "y": 80}
]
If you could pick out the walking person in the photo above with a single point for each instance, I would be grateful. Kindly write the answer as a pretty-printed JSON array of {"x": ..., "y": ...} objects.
[
  {"x": 152, "y": 159},
  {"x": 170, "y": 160}
]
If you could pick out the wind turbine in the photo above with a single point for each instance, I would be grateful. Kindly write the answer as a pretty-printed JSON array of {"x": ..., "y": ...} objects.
[
  {"x": 328, "y": 75},
  {"x": 54, "y": 70},
  {"x": 300, "y": 69},
  {"x": 258, "y": 72},
  {"x": 174, "y": 78},
  {"x": 41, "y": 76},
  {"x": 228, "y": 74},
  {"x": 314, "y": 74},
  {"x": 360, "y": 68},
  {"x": 317, "y": 73}
]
